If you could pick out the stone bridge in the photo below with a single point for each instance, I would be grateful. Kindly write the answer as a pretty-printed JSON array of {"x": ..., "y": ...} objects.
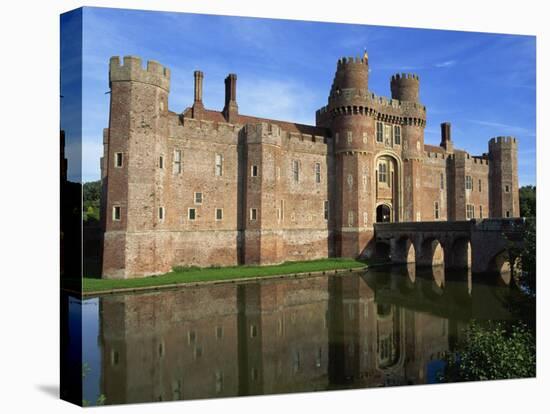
[{"x": 482, "y": 245}]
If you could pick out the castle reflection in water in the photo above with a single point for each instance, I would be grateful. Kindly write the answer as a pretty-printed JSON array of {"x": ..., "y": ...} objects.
[{"x": 286, "y": 335}]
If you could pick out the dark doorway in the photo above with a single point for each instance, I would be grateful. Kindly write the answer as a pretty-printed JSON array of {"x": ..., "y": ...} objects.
[{"x": 383, "y": 214}]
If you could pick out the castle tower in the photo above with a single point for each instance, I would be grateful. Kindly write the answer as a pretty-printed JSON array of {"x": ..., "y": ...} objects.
[
  {"x": 137, "y": 140},
  {"x": 405, "y": 88},
  {"x": 503, "y": 177},
  {"x": 352, "y": 128}
]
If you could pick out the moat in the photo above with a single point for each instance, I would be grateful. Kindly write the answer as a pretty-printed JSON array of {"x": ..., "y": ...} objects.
[{"x": 382, "y": 327}]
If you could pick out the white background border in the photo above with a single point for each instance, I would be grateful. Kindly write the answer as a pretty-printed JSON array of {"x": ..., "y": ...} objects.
[{"x": 29, "y": 165}]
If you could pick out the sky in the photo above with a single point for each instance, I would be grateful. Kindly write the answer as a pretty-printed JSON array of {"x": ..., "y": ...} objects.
[{"x": 484, "y": 84}]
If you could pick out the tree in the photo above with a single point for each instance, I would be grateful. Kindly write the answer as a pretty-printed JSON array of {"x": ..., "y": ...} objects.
[
  {"x": 490, "y": 352},
  {"x": 91, "y": 195},
  {"x": 528, "y": 201}
]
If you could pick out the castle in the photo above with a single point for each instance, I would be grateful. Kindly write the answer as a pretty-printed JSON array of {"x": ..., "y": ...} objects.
[{"x": 206, "y": 187}]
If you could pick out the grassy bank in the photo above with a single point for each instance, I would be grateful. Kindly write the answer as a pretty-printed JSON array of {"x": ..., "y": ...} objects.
[{"x": 195, "y": 274}]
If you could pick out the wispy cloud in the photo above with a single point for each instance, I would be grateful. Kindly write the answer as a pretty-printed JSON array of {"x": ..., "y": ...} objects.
[
  {"x": 446, "y": 64},
  {"x": 505, "y": 128}
]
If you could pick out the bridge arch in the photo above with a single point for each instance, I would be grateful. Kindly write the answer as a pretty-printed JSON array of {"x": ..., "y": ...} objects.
[
  {"x": 459, "y": 255},
  {"x": 403, "y": 250},
  {"x": 430, "y": 253},
  {"x": 503, "y": 263}
]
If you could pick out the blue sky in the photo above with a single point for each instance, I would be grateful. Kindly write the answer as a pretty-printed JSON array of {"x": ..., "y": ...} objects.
[{"x": 484, "y": 84}]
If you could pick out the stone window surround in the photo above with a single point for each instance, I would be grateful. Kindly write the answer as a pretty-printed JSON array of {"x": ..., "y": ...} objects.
[
  {"x": 119, "y": 157},
  {"x": 254, "y": 171},
  {"x": 253, "y": 214},
  {"x": 218, "y": 165},
  {"x": 437, "y": 214},
  {"x": 216, "y": 214},
  {"x": 161, "y": 213},
  {"x": 197, "y": 198},
  {"x": 326, "y": 211},
  {"x": 117, "y": 213},
  {"x": 194, "y": 210},
  {"x": 317, "y": 172},
  {"x": 468, "y": 183},
  {"x": 397, "y": 134}
]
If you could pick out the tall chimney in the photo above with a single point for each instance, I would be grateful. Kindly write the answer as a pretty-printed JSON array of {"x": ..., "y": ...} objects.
[
  {"x": 231, "y": 109},
  {"x": 198, "y": 106},
  {"x": 446, "y": 141}
]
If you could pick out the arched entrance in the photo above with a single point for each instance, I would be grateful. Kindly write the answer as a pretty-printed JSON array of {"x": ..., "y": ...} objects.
[
  {"x": 388, "y": 184},
  {"x": 383, "y": 213}
]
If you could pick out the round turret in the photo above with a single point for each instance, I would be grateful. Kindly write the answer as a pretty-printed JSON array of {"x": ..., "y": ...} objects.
[
  {"x": 405, "y": 87},
  {"x": 351, "y": 73}
]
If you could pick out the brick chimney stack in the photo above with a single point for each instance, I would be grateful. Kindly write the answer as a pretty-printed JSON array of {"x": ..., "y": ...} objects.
[
  {"x": 446, "y": 141},
  {"x": 231, "y": 109},
  {"x": 198, "y": 106}
]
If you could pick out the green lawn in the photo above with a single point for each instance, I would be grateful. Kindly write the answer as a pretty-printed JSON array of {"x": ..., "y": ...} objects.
[{"x": 195, "y": 274}]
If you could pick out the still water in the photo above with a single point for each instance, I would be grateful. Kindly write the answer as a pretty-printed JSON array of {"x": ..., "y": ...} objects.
[{"x": 356, "y": 330}]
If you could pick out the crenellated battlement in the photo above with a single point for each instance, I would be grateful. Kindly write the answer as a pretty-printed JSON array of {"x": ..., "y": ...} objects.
[
  {"x": 398, "y": 77},
  {"x": 344, "y": 61},
  {"x": 272, "y": 133},
  {"x": 132, "y": 70},
  {"x": 502, "y": 140}
]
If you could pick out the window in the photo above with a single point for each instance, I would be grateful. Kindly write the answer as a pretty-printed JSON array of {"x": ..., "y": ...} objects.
[
  {"x": 116, "y": 213},
  {"x": 365, "y": 138},
  {"x": 350, "y": 218},
  {"x": 161, "y": 213},
  {"x": 253, "y": 331},
  {"x": 379, "y": 132},
  {"x": 350, "y": 137},
  {"x": 397, "y": 134},
  {"x": 253, "y": 214},
  {"x": 507, "y": 188},
  {"x": 198, "y": 198},
  {"x": 296, "y": 170},
  {"x": 219, "y": 332},
  {"x": 191, "y": 337},
  {"x": 254, "y": 171},
  {"x": 507, "y": 213},
  {"x": 118, "y": 159},
  {"x": 317, "y": 172},
  {"x": 382, "y": 172},
  {"x": 469, "y": 211},
  {"x": 436, "y": 210},
  {"x": 319, "y": 357},
  {"x": 387, "y": 134},
  {"x": 325, "y": 209},
  {"x": 280, "y": 210},
  {"x": 336, "y": 137},
  {"x": 219, "y": 381},
  {"x": 219, "y": 214},
  {"x": 192, "y": 214},
  {"x": 479, "y": 185},
  {"x": 219, "y": 165},
  {"x": 161, "y": 162},
  {"x": 177, "y": 168},
  {"x": 441, "y": 181},
  {"x": 468, "y": 182},
  {"x": 480, "y": 211}
]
